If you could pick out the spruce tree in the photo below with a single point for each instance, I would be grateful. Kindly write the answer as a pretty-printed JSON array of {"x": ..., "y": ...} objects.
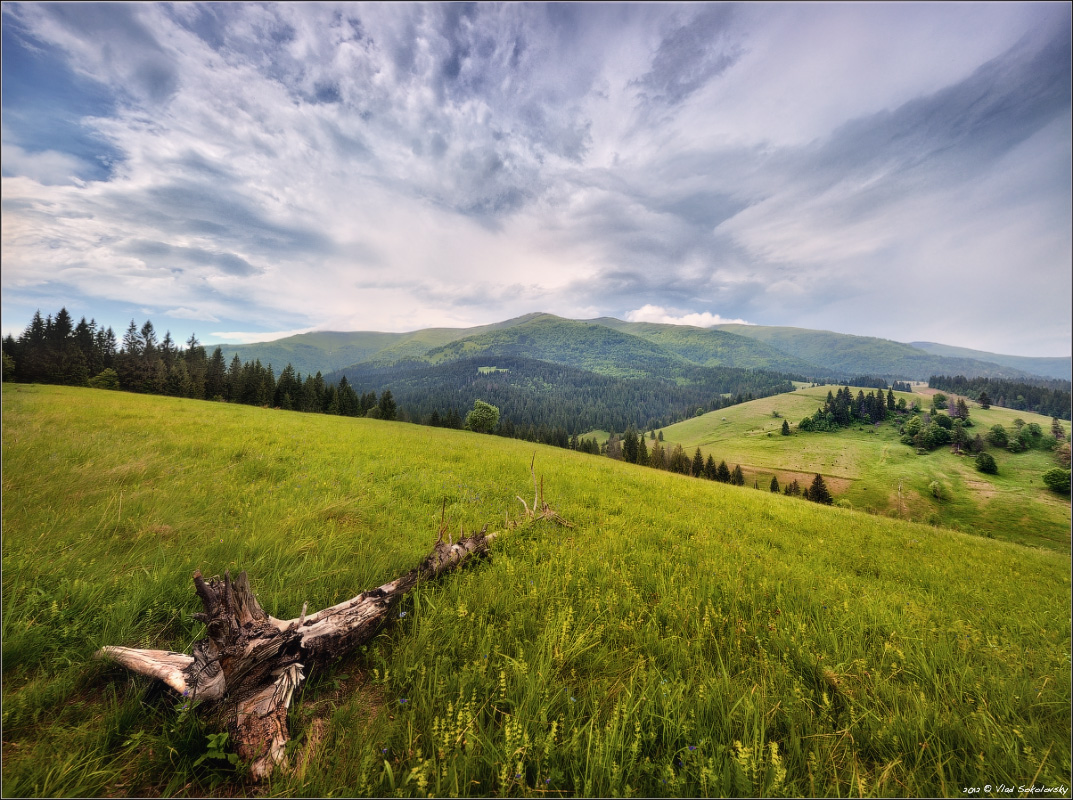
[
  {"x": 774, "y": 484},
  {"x": 697, "y": 467},
  {"x": 737, "y": 477},
  {"x": 630, "y": 447},
  {"x": 817, "y": 492},
  {"x": 710, "y": 470},
  {"x": 785, "y": 428},
  {"x": 722, "y": 473},
  {"x": 387, "y": 405},
  {"x": 642, "y": 451}
]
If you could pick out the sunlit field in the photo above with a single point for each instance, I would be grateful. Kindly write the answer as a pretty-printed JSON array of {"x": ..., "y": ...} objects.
[{"x": 684, "y": 638}]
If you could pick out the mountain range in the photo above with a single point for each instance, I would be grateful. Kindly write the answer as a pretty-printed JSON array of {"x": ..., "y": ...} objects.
[{"x": 636, "y": 350}]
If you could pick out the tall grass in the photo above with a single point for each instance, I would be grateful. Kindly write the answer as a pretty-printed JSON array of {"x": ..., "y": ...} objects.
[{"x": 685, "y": 638}]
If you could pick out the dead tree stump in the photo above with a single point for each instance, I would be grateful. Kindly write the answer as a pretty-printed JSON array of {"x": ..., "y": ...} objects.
[{"x": 250, "y": 663}]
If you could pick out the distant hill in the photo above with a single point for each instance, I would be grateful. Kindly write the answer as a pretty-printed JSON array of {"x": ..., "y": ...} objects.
[
  {"x": 849, "y": 355},
  {"x": 611, "y": 347},
  {"x": 328, "y": 351},
  {"x": 1061, "y": 368},
  {"x": 709, "y": 347}
]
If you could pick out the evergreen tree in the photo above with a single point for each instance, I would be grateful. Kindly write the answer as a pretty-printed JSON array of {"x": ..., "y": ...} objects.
[
  {"x": 233, "y": 382},
  {"x": 984, "y": 400},
  {"x": 892, "y": 404},
  {"x": 630, "y": 447},
  {"x": 737, "y": 477},
  {"x": 697, "y": 467},
  {"x": 177, "y": 383},
  {"x": 656, "y": 458},
  {"x": 679, "y": 461},
  {"x": 387, "y": 405},
  {"x": 215, "y": 376},
  {"x": 722, "y": 472},
  {"x": 642, "y": 451},
  {"x": 197, "y": 366},
  {"x": 710, "y": 470},
  {"x": 817, "y": 492},
  {"x": 785, "y": 428},
  {"x": 774, "y": 484}
]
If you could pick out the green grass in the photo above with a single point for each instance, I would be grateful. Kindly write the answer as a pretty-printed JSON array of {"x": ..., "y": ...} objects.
[
  {"x": 872, "y": 470},
  {"x": 685, "y": 638}
]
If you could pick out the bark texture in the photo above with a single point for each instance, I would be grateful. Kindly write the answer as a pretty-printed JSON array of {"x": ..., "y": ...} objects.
[{"x": 252, "y": 663}]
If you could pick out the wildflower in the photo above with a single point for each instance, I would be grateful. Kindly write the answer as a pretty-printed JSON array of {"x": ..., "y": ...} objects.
[
  {"x": 384, "y": 751},
  {"x": 573, "y": 699},
  {"x": 402, "y": 614},
  {"x": 403, "y": 701},
  {"x": 692, "y": 747}
]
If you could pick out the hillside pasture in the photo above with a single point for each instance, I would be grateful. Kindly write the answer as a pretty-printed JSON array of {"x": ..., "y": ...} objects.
[
  {"x": 684, "y": 638},
  {"x": 870, "y": 468}
]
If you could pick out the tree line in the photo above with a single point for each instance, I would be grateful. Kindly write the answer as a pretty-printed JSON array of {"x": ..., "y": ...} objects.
[
  {"x": 55, "y": 350},
  {"x": 1051, "y": 398}
]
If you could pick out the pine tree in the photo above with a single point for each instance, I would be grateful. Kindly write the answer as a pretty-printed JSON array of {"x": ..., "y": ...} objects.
[
  {"x": 387, "y": 405},
  {"x": 722, "y": 473},
  {"x": 710, "y": 470},
  {"x": 774, "y": 484},
  {"x": 785, "y": 428},
  {"x": 697, "y": 467},
  {"x": 817, "y": 492},
  {"x": 216, "y": 376},
  {"x": 656, "y": 458},
  {"x": 630, "y": 447},
  {"x": 642, "y": 451},
  {"x": 737, "y": 477}
]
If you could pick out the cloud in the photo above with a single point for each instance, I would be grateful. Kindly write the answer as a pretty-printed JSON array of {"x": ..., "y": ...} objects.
[
  {"x": 395, "y": 166},
  {"x": 252, "y": 337},
  {"x": 705, "y": 319},
  {"x": 190, "y": 313}
]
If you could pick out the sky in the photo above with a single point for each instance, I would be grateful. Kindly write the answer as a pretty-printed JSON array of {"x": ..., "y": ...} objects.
[{"x": 248, "y": 171}]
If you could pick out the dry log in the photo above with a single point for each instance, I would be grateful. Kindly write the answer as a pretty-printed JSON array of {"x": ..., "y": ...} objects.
[{"x": 250, "y": 663}]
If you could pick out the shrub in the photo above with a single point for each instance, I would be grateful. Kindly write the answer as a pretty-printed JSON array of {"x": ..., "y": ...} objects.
[
  {"x": 985, "y": 462},
  {"x": 1057, "y": 480},
  {"x": 108, "y": 379},
  {"x": 938, "y": 491},
  {"x": 997, "y": 436}
]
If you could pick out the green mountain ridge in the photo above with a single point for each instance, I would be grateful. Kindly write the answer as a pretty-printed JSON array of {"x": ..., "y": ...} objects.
[
  {"x": 610, "y": 346},
  {"x": 1053, "y": 367},
  {"x": 850, "y": 355}
]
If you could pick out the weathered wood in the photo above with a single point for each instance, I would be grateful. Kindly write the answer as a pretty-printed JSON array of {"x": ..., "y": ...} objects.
[{"x": 252, "y": 663}]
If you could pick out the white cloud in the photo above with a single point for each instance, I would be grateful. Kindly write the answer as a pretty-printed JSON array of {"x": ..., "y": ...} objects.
[
  {"x": 251, "y": 337},
  {"x": 706, "y": 319}
]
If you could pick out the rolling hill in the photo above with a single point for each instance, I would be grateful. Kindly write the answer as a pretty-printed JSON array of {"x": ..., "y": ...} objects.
[
  {"x": 628, "y": 349},
  {"x": 684, "y": 638},
  {"x": 869, "y": 467},
  {"x": 848, "y": 356},
  {"x": 1060, "y": 368}
]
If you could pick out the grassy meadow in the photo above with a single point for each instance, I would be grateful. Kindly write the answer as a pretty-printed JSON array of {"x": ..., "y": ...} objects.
[
  {"x": 684, "y": 638},
  {"x": 869, "y": 467}
]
